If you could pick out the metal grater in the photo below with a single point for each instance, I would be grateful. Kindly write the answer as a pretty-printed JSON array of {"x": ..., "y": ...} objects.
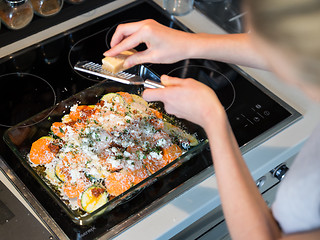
[{"x": 122, "y": 77}]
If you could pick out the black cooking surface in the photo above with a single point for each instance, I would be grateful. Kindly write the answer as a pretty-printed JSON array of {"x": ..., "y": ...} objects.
[
  {"x": 228, "y": 14},
  {"x": 42, "y": 75}
]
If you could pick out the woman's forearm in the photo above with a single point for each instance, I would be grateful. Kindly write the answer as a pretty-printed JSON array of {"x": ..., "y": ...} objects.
[
  {"x": 230, "y": 48},
  {"x": 246, "y": 213},
  {"x": 167, "y": 45}
]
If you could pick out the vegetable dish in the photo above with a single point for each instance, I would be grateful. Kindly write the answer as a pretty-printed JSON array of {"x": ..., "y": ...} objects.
[{"x": 97, "y": 152}]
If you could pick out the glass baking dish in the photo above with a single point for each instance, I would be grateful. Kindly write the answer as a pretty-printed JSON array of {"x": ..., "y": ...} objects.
[{"x": 20, "y": 138}]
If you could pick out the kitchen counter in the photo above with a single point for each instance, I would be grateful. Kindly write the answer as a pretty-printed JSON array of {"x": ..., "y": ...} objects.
[{"x": 198, "y": 201}]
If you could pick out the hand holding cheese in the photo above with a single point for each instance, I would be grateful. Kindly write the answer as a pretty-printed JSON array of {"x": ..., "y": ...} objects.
[
  {"x": 164, "y": 44},
  {"x": 115, "y": 64}
]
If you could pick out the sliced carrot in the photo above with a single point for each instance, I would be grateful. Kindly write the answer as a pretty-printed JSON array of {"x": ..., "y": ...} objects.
[
  {"x": 104, "y": 156},
  {"x": 75, "y": 115},
  {"x": 157, "y": 123},
  {"x": 156, "y": 113},
  {"x": 74, "y": 158},
  {"x": 172, "y": 152},
  {"x": 159, "y": 135},
  {"x": 154, "y": 164},
  {"x": 118, "y": 182},
  {"x": 113, "y": 168},
  {"x": 79, "y": 126},
  {"x": 81, "y": 112},
  {"x": 59, "y": 129},
  {"x": 126, "y": 96},
  {"x": 40, "y": 152},
  {"x": 134, "y": 149},
  {"x": 139, "y": 173},
  {"x": 101, "y": 115},
  {"x": 73, "y": 189}
]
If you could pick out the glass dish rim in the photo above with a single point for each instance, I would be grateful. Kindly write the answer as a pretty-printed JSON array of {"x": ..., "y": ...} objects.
[{"x": 87, "y": 218}]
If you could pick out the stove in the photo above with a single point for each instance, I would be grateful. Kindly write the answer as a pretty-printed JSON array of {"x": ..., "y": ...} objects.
[{"x": 42, "y": 75}]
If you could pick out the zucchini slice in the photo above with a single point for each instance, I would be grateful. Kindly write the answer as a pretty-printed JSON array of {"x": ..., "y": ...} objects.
[
  {"x": 114, "y": 98},
  {"x": 93, "y": 198},
  {"x": 179, "y": 133},
  {"x": 60, "y": 171},
  {"x": 138, "y": 105},
  {"x": 66, "y": 119},
  {"x": 50, "y": 174},
  {"x": 140, "y": 100}
]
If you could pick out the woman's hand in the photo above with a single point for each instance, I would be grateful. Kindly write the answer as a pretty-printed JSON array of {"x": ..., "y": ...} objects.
[
  {"x": 167, "y": 45},
  {"x": 164, "y": 44},
  {"x": 188, "y": 99}
]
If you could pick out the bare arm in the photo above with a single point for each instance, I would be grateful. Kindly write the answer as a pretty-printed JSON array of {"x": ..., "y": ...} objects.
[
  {"x": 248, "y": 217},
  {"x": 167, "y": 45},
  {"x": 230, "y": 48},
  {"x": 246, "y": 213}
]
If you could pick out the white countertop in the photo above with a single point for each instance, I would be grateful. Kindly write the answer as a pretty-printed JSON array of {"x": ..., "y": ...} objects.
[{"x": 176, "y": 215}]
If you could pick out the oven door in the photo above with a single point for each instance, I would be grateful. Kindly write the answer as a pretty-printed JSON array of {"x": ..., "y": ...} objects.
[{"x": 213, "y": 224}]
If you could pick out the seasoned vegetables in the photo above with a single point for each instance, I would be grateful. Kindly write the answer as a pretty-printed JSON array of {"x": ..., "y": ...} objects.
[{"x": 97, "y": 152}]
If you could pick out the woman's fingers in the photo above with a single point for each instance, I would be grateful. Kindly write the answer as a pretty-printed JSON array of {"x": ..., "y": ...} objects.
[
  {"x": 171, "y": 81},
  {"x": 135, "y": 59},
  {"x": 125, "y": 30},
  {"x": 128, "y": 43},
  {"x": 126, "y": 36},
  {"x": 152, "y": 95},
  {"x": 161, "y": 94},
  {"x": 186, "y": 98},
  {"x": 121, "y": 41},
  {"x": 164, "y": 44}
]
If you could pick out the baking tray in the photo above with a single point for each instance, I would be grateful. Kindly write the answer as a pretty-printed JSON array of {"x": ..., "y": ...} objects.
[{"x": 20, "y": 138}]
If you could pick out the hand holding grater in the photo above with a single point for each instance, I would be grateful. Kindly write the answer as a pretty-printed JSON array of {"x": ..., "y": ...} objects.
[{"x": 122, "y": 77}]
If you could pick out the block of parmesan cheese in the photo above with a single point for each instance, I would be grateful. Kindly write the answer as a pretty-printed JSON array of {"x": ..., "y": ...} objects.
[{"x": 115, "y": 64}]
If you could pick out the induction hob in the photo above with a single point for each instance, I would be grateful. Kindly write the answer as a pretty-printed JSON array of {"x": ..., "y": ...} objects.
[
  {"x": 42, "y": 75},
  {"x": 227, "y": 14}
]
